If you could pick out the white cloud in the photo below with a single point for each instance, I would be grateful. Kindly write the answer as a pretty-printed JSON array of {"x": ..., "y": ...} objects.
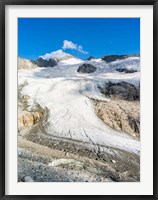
[
  {"x": 58, "y": 53},
  {"x": 70, "y": 45}
]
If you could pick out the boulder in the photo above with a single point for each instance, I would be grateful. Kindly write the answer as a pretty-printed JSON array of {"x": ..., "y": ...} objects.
[{"x": 28, "y": 179}]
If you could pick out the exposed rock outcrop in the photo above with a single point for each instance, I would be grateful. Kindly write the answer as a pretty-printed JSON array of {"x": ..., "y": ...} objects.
[
  {"x": 28, "y": 115},
  {"x": 126, "y": 70},
  {"x": 45, "y": 63},
  {"x": 112, "y": 58},
  {"x": 121, "y": 90},
  {"x": 122, "y": 112},
  {"x": 86, "y": 68},
  {"x": 120, "y": 115},
  {"x": 27, "y": 119},
  {"x": 25, "y": 64}
]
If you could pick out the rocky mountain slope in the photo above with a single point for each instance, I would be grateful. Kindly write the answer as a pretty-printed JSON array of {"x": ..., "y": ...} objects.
[
  {"x": 79, "y": 125},
  {"x": 23, "y": 63}
]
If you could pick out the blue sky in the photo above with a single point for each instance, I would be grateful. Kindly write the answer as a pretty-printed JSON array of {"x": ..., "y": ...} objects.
[{"x": 81, "y": 37}]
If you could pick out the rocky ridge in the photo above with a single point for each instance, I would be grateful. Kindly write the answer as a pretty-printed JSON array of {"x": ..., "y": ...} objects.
[
  {"x": 111, "y": 58},
  {"x": 40, "y": 62},
  {"x": 23, "y": 63}
]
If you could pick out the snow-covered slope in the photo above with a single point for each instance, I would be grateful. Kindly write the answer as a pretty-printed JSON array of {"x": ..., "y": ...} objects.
[
  {"x": 66, "y": 93},
  {"x": 58, "y": 55},
  {"x": 70, "y": 61}
]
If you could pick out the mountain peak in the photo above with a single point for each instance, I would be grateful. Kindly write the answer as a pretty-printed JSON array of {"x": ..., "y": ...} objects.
[
  {"x": 57, "y": 55},
  {"x": 91, "y": 58}
]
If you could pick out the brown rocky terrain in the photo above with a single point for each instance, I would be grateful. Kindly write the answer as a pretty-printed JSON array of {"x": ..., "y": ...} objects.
[
  {"x": 122, "y": 112},
  {"x": 120, "y": 115},
  {"x": 26, "y": 117}
]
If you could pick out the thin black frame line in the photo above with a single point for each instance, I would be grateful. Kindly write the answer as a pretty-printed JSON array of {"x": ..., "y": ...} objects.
[
  {"x": 80, "y": 2},
  {"x": 155, "y": 100},
  {"x": 2, "y": 92},
  {"x": 79, "y": 17},
  {"x": 2, "y": 101}
]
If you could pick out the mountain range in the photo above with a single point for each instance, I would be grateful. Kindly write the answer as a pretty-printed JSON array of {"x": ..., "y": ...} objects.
[{"x": 40, "y": 62}]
